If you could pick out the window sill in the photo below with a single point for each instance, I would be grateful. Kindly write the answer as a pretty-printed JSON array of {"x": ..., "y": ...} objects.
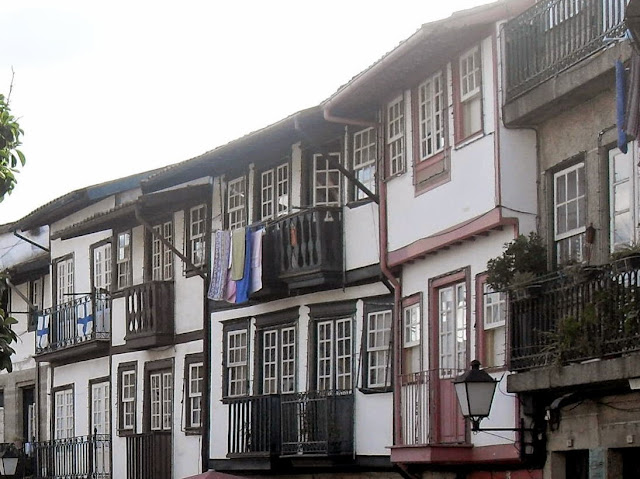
[
  {"x": 356, "y": 203},
  {"x": 125, "y": 432},
  {"x": 472, "y": 138},
  {"x": 380, "y": 390},
  {"x": 192, "y": 431}
]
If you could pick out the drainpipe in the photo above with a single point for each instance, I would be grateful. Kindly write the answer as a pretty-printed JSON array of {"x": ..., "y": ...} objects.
[{"x": 396, "y": 287}]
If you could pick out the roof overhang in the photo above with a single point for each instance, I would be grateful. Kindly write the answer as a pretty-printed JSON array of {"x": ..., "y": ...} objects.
[
  {"x": 425, "y": 52},
  {"x": 31, "y": 269},
  {"x": 151, "y": 206}
]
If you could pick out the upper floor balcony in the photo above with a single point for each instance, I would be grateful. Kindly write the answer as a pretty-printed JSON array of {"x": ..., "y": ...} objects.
[
  {"x": 309, "y": 247},
  {"x": 297, "y": 425},
  {"x": 78, "y": 328},
  {"x": 577, "y": 329},
  {"x": 544, "y": 42},
  {"x": 149, "y": 314}
]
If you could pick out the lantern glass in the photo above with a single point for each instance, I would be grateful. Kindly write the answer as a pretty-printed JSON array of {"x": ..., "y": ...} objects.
[
  {"x": 9, "y": 465},
  {"x": 475, "y": 390}
]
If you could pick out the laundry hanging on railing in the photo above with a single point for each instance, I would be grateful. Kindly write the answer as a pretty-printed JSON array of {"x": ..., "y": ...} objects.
[
  {"x": 42, "y": 331},
  {"x": 236, "y": 254},
  {"x": 85, "y": 320}
]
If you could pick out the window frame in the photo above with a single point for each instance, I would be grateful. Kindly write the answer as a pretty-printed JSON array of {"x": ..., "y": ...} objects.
[
  {"x": 165, "y": 256},
  {"x": 66, "y": 388},
  {"x": 201, "y": 237},
  {"x": 241, "y": 208},
  {"x": 483, "y": 330},
  {"x": 364, "y": 143},
  {"x": 426, "y": 161},
  {"x": 461, "y": 99},
  {"x": 126, "y": 262},
  {"x": 327, "y": 172},
  {"x": 193, "y": 360},
  {"x": 161, "y": 367},
  {"x": 102, "y": 381},
  {"x": 395, "y": 136},
  {"x": 580, "y": 230},
  {"x": 374, "y": 307},
  {"x": 233, "y": 328},
  {"x": 36, "y": 301},
  {"x": 276, "y": 191},
  {"x": 412, "y": 302},
  {"x": 56, "y": 280},
  {"x": 127, "y": 368},
  {"x": 633, "y": 180},
  {"x": 107, "y": 244},
  {"x": 332, "y": 313}
]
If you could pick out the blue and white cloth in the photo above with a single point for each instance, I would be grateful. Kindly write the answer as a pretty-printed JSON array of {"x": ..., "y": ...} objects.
[
  {"x": 85, "y": 320},
  {"x": 42, "y": 331}
]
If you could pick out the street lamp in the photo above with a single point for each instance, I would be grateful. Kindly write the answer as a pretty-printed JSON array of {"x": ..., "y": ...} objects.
[
  {"x": 9, "y": 460},
  {"x": 475, "y": 390}
]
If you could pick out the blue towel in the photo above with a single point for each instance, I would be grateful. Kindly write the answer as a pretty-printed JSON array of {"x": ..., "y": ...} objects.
[
  {"x": 620, "y": 105},
  {"x": 244, "y": 285}
]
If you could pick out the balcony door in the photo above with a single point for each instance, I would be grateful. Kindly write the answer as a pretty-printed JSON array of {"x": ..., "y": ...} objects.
[
  {"x": 101, "y": 427},
  {"x": 450, "y": 355}
]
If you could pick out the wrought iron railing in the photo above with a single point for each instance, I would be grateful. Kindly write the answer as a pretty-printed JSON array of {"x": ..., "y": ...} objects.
[
  {"x": 254, "y": 426},
  {"x": 149, "y": 309},
  {"x": 77, "y": 321},
  {"x": 317, "y": 423},
  {"x": 571, "y": 318},
  {"x": 84, "y": 457},
  {"x": 310, "y": 242},
  {"x": 553, "y": 35},
  {"x": 414, "y": 410},
  {"x": 149, "y": 456}
]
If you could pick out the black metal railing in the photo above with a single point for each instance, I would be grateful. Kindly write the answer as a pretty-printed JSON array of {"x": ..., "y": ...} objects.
[
  {"x": 149, "y": 456},
  {"x": 77, "y": 321},
  {"x": 254, "y": 426},
  {"x": 575, "y": 318},
  {"x": 317, "y": 423},
  {"x": 310, "y": 242},
  {"x": 83, "y": 457},
  {"x": 553, "y": 35},
  {"x": 414, "y": 409}
]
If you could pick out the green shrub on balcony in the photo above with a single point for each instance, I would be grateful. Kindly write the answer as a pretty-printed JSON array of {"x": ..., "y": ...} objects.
[{"x": 523, "y": 260}]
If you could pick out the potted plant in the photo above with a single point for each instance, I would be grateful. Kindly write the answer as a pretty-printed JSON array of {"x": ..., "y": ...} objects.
[{"x": 523, "y": 260}]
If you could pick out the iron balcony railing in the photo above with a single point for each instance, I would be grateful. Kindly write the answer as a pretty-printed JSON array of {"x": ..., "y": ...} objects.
[
  {"x": 553, "y": 35},
  {"x": 149, "y": 455},
  {"x": 254, "y": 426},
  {"x": 82, "y": 319},
  {"x": 414, "y": 409},
  {"x": 576, "y": 317},
  {"x": 84, "y": 457},
  {"x": 310, "y": 246}
]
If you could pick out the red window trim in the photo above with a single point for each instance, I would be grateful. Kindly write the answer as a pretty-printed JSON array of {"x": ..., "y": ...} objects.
[
  {"x": 481, "y": 280},
  {"x": 457, "y": 104}
]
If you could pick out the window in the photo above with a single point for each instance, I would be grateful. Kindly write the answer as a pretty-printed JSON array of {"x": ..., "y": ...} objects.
[
  {"x": 624, "y": 185},
  {"x": 36, "y": 297},
  {"x": 364, "y": 160},
  {"x": 127, "y": 397},
  {"x": 274, "y": 196},
  {"x": 334, "y": 354},
  {"x": 278, "y": 360},
  {"x": 123, "y": 259},
  {"x": 64, "y": 423},
  {"x": 236, "y": 203},
  {"x": 452, "y": 330},
  {"x": 194, "y": 378},
  {"x": 102, "y": 261},
  {"x": 161, "y": 400},
  {"x": 327, "y": 187},
  {"x": 196, "y": 238},
  {"x": 64, "y": 280},
  {"x": 378, "y": 345},
  {"x": 237, "y": 366},
  {"x": 161, "y": 255},
  {"x": 493, "y": 337},
  {"x": 100, "y": 423},
  {"x": 395, "y": 136},
  {"x": 431, "y": 116},
  {"x": 411, "y": 336},
  {"x": 569, "y": 213},
  {"x": 469, "y": 111}
]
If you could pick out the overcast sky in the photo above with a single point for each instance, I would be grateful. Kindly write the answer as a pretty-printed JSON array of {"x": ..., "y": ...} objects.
[{"x": 107, "y": 89}]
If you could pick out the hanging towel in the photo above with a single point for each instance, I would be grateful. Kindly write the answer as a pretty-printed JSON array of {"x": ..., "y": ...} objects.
[
  {"x": 42, "y": 332},
  {"x": 256, "y": 260},
  {"x": 238, "y": 239},
  {"x": 85, "y": 320},
  {"x": 620, "y": 105},
  {"x": 220, "y": 266},
  {"x": 242, "y": 286}
]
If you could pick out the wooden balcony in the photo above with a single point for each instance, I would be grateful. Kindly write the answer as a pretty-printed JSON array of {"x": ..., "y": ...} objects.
[
  {"x": 576, "y": 318},
  {"x": 309, "y": 246},
  {"x": 554, "y": 35},
  {"x": 149, "y": 456},
  {"x": 77, "y": 328},
  {"x": 149, "y": 314},
  {"x": 311, "y": 424},
  {"x": 77, "y": 457}
]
